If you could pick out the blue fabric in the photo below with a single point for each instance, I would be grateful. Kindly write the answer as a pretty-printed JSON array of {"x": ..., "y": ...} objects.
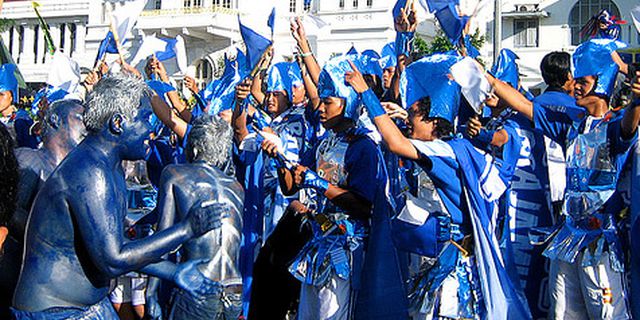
[
  {"x": 352, "y": 51},
  {"x": 388, "y": 56},
  {"x": 22, "y": 124},
  {"x": 213, "y": 307},
  {"x": 372, "y": 104},
  {"x": 429, "y": 77},
  {"x": 8, "y": 81},
  {"x": 451, "y": 23},
  {"x": 435, "y": 5},
  {"x": 506, "y": 68},
  {"x": 472, "y": 51},
  {"x": 169, "y": 49},
  {"x": 107, "y": 45},
  {"x": 593, "y": 58},
  {"x": 370, "y": 65},
  {"x": 102, "y": 310},
  {"x": 161, "y": 88},
  {"x": 255, "y": 43},
  {"x": 283, "y": 76},
  {"x": 331, "y": 83},
  {"x": 503, "y": 298},
  {"x": 371, "y": 53},
  {"x": 554, "y": 112},
  {"x": 404, "y": 43},
  {"x": 220, "y": 93}
]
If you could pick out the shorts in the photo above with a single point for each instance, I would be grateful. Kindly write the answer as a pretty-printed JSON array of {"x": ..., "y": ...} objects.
[
  {"x": 129, "y": 289},
  {"x": 219, "y": 306},
  {"x": 102, "y": 310}
]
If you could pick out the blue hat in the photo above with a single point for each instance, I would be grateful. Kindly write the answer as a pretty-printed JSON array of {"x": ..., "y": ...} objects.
[
  {"x": 283, "y": 76},
  {"x": 371, "y": 53},
  {"x": 352, "y": 50},
  {"x": 389, "y": 57},
  {"x": 429, "y": 77},
  {"x": 332, "y": 84},
  {"x": 367, "y": 64},
  {"x": 593, "y": 58},
  {"x": 8, "y": 81},
  {"x": 506, "y": 68}
]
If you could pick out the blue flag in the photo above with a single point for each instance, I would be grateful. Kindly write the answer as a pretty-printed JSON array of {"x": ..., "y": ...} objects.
[
  {"x": 451, "y": 23},
  {"x": 352, "y": 50},
  {"x": 169, "y": 50},
  {"x": 107, "y": 45},
  {"x": 506, "y": 68},
  {"x": 256, "y": 41},
  {"x": 220, "y": 93}
]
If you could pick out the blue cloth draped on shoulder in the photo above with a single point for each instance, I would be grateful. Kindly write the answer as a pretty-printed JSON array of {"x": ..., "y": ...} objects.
[
  {"x": 429, "y": 77},
  {"x": 593, "y": 58},
  {"x": 331, "y": 84},
  {"x": 255, "y": 39},
  {"x": 220, "y": 93},
  {"x": 8, "y": 81},
  {"x": 381, "y": 293},
  {"x": 484, "y": 184}
]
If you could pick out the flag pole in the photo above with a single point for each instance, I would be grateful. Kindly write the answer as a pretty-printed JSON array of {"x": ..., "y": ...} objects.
[
  {"x": 116, "y": 37},
  {"x": 45, "y": 29}
]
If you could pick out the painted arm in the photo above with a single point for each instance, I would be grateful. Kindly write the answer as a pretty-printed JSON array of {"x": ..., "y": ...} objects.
[
  {"x": 104, "y": 236},
  {"x": 631, "y": 117}
]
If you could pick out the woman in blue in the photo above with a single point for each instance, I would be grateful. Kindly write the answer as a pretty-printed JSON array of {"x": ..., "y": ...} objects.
[
  {"x": 468, "y": 279},
  {"x": 340, "y": 195},
  {"x": 586, "y": 278}
]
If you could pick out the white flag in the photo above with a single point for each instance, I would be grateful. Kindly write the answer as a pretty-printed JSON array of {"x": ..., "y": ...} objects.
[
  {"x": 475, "y": 86},
  {"x": 181, "y": 54},
  {"x": 149, "y": 45},
  {"x": 64, "y": 73},
  {"x": 635, "y": 15},
  {"x": 125, "y": 16}
]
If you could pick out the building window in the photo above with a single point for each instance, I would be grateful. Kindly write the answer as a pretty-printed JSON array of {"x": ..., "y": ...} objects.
[
  {"x": 582, "y": 11},
  {"x": 158, "y": 4},
  {"x": 307, "y": 5},
  {"x": 222, "y": 3},
  {"x": 292, "y": 6},
  {"x": 355, "y": 3},
  {"x": 187, "y": 3},
  {"x": 63, "y": 30},
  {"x": 369, "y": 3},
  {"x": 72, "y": 38},
  {"x": 341, "y": 4},
  {"x": 525, "y": 33}
]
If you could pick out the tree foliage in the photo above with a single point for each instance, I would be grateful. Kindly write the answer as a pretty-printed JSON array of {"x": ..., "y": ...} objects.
[
  {"x": 5, "y": 24},
  {"x": 441, "y": 43}
]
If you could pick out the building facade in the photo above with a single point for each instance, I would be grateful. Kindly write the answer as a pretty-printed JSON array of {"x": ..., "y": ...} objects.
[{"x": 531, "y": 28}]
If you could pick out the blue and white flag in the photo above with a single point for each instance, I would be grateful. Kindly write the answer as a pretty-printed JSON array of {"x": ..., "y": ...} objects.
[
  {"x": 451, "y": 22},
  {"x": 124, "y": 18},
  {"x": 64, "y": 75},
  {"x": 163, "y": 49},
  {"x": 220, "y": 93},
  {"x": 257, "y": 33}
]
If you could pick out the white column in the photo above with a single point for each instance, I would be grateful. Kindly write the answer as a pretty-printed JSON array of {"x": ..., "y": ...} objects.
[
  {"x": 5, "y": 37},
  {"x": 28, "y": 41},
  {"x": 81, "y": 32},
  {"x": 40, "y": 43},
  {"x": 54, "y": 29},
  {"x": 67, "y": 39}
]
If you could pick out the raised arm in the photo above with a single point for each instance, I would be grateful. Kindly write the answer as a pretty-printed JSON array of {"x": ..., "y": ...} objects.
[
  {"x": 391, "y": 135},
  {"x": 168, "y": 116},
  {"x": 298, "y": 33},
  {"x": 512, "y": 97}
]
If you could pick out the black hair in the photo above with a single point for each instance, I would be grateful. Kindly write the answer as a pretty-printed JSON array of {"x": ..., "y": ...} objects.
[
  {"x": 8, "y": 176},
  {"x": 375, "y": 83},
  {"x": 443, "y": 127},
  {"x": 555, "y": 67}
]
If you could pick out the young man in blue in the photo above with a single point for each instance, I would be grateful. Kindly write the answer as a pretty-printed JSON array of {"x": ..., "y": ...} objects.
[
  {"x": 469, "y": 268},
  {"x": 17, "y": 120},
  {"x": 587, "y": 279},
  {"x": 510, "y": 137},
  {"x": 339, "y": 201}
]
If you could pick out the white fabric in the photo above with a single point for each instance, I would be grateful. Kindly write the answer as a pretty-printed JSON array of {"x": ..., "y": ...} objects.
[
  {"x": 148, "y": 46},
  {"x": 578, "y": 292},
  {"x": 414, "y": 210},
  {"x": 475, "y": 87},
  {"x": 557, "y": 169},
  {"x": 124, "y": 17},
  {"x": 331, "y": 302},
  {"x": 181, "y": 54},
  {"x": 129, "y": 289},
  {"x": 635, "y": 16},
  {"x": 64, "y": 73}
]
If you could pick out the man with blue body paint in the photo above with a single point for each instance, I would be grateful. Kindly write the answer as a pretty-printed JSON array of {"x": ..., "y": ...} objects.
[
  {"x": 586, "y": 279},
  {"x": 62, "y": 131},
  {"x": 75, "y": 232}
]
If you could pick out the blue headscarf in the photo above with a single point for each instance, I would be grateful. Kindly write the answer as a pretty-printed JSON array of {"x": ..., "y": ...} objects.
[
  {"x": 506, "y": 68},
  {"x": 8, "y": 81},
  {"x": 429, "y": 77},
  {"x": 332, "y": 84},
  {"x": 389, "y": 58},
  {"x": 283, "y": 76},
  {"x": 593, "y": 58},
  {"x": 367, "y": 64}
]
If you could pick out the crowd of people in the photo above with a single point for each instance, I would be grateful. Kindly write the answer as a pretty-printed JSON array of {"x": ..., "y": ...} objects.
[{"x": 376, "y": 186}]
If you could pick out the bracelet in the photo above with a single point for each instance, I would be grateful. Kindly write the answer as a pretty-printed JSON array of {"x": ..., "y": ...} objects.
[{"x": 306, "y": 54}]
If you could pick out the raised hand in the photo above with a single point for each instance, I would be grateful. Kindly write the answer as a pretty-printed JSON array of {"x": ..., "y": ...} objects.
[
  {"x": 191, "y": 280},
  {"x": 298, "y": 33},
  {"x": 355, "y": 79},
  {"x": 395, "y": 111},
  {"x": 205, "y": 217},
  {"x": 473, "y": 126},
  {"x": 242, "y": 90},
  {"x": 190, "y": 83}
]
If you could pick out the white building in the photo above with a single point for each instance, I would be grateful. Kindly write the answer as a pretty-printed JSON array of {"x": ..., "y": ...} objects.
[{"x": 531, "y": 28}]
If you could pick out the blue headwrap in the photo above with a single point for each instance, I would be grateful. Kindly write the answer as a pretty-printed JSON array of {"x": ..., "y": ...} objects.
[
  {"x": 8, "y": 81},
  {"x": 367, "y": 64},
  {"x": 283, "y": 76},
  {"x": 429, "y": 77},
  {"x": 593, "y": 58},
  {"x": 371, "y": 53},
  {"x": 389, "y": 58},
  {"x": 506, "y": 68},
  {"x": 332, "y": 84}
]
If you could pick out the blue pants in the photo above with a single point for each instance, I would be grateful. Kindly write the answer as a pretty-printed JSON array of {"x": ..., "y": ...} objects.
[
  {"x": 215, "y": 307},
  {"x": 102, "y": 310}
]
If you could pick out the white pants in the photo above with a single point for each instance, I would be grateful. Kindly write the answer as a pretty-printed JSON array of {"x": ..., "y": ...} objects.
[
  {"x": 129, "y": 289},
  {"x": 595, "y": 292},
  {"x": 331, "y": 301}
]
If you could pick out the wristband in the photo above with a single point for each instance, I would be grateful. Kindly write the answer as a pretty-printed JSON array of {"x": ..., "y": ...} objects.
[
  {"x": 312, "y": 180},
  {"x": 485, "y": 135},
  {"x": 372, "y": 104},
  {"x": 404, "y": 43},
  {"x": 306, "y": 54}
]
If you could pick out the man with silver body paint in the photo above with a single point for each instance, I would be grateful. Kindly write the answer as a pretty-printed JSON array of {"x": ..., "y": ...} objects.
[{"x": 183, "y": 185}]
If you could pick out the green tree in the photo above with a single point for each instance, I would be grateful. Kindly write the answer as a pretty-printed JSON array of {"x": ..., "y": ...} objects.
[
  {"x": 441, "y": 43},
  {"x": 5, "y": 24}
]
